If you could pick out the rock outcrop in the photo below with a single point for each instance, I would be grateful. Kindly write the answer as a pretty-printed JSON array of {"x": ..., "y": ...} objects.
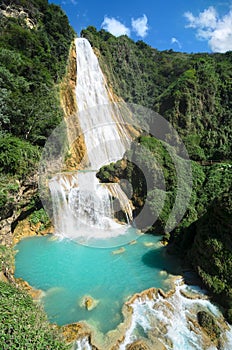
[
  {"x": 88, "y": 302},
  {"x": 18, "y": 209},
  {"x": 19, "y": 13}
]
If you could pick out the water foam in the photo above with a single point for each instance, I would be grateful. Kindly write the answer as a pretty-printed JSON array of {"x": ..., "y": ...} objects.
[{"x": 173, "y": 320}]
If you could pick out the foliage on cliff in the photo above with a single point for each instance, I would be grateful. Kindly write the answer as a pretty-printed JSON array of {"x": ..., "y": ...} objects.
[
  {"x": 150, "y": 170},
  {"x": 211, "y": 251},
  {"x": 33, "y": 58},
  {"x": 34, "y": 44},
  {"x": 151, "y": 174},
  {"x": 192, "y": 91}
]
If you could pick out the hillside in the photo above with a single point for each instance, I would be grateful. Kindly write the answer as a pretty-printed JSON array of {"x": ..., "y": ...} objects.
[
  {"x": 213, "y": 243},
  {"x": 35, "y": 38},
  {"x": 34, "y": 46}
]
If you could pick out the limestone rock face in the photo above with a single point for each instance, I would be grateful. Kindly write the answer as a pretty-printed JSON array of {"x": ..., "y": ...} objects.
[
  {"x": 77, "y": 148},
  {"x": 67, "y": 91},
  {"x": 138, "y": 345},
  {"x": 26, "y": 229},
  {"x": 36, "y": 294},
  {"x": 119, "y": 251},
  {"x": 71, "y": 332},
  {"x": 19, "y": 13}
]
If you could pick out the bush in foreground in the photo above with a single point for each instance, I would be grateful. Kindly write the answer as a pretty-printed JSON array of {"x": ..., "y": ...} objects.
[{"x": 23, "y": 324}]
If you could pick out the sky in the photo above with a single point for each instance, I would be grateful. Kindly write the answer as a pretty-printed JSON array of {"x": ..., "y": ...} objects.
[{"x": 180, "y": 25}]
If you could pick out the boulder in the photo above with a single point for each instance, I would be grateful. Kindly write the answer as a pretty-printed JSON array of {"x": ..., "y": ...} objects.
[{"x": 88, "y": 302}]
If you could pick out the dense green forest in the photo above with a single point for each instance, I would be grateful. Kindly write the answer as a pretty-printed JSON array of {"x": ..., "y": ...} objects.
[
  {"x": 34, "y": 46},
  {"x": 193, "y": 92},
  {"x": 35, "y": 38}
]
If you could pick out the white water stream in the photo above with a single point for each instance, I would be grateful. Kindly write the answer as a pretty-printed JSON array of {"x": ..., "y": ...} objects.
[
  {"x": 82, "y": 207},
  {"x": 105, "y": 136}
]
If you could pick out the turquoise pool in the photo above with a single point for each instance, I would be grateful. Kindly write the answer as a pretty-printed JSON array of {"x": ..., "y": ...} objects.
[{"x": 67, "y": 272}]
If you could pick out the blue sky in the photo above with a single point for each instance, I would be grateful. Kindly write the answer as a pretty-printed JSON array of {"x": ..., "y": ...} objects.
[{"x": 188, "y": 26}]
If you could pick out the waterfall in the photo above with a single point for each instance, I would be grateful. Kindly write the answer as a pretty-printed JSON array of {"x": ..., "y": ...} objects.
[
  {"x": 82, "y": 207},
  {"x": 105, "y": 136},
  {"x": 125, "y": 203}
]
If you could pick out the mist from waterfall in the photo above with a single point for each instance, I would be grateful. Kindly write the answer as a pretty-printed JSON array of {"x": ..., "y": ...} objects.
[{"x": 82, "y": 207}]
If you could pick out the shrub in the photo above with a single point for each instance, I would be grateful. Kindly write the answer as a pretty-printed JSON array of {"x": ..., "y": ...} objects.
[
  {"x": 23, "y": 324},
  {"x": 17, "y": 156}
]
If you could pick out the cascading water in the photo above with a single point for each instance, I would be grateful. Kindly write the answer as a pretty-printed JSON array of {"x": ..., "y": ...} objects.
[
  {"x": 170, "y": 321},
  {"x": 105, "y": 137},
  {"x": 125, "y": 204},
  {"x": 84, "y": 204}
]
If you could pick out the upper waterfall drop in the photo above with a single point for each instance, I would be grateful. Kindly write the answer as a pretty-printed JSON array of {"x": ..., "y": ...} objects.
[
  {"x": 82, "y": 207},
  {"x": 104, "y": 131}
]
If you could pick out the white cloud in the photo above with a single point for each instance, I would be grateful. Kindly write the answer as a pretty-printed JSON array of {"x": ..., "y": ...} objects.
[
  {"x": 206, "y": 19},
  {"x": 115, "y": 27},
  {"x": 176, "y": 41},
  {"x": 140, "y": 26},
  {"x": 209, "y": 26},
  {"x": 221, "y": 40}
]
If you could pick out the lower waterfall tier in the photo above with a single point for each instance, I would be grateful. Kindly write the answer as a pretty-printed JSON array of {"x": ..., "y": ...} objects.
[{"x": 83, "y": 210}]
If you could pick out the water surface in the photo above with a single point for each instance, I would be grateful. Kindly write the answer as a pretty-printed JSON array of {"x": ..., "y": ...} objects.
[{"x": 67, "y": 272}]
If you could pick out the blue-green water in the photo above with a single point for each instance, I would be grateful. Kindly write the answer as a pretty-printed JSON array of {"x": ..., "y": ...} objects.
[{"x": 67, "y": 271}]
